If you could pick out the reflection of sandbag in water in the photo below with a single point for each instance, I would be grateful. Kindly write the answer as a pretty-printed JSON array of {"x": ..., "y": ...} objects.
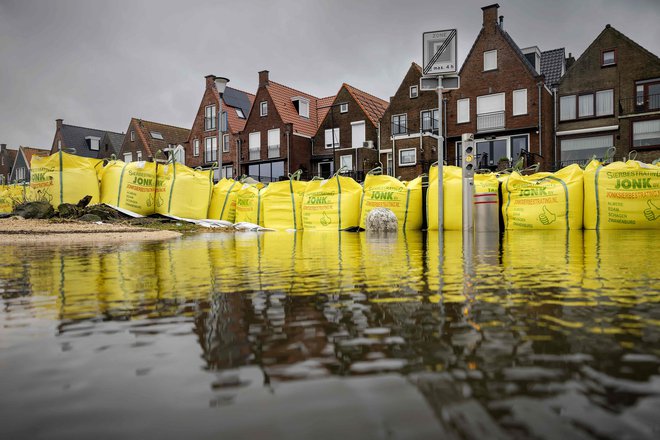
[
  {"x": 184, "y": 269},
  {"x": 130, "y": 186},
  {"x": 65, "y": 178},
  {"x": 331, "y": 261},
  {"x": 622, "y": 196},
  {"x": 332, "y": 204},
  {"x": 282, "y": 204},
  {"x": 130, "y": 278},
  {"x": 280, "y": 256},
  {"x": 544, "y": 200},
  {"x": 223, "y": 200},
  {"x": 445, "y": 269},
  {"x": 403, "y": 199},
  {"x": 183, "y": 192},
  {"x": 249, "y": 246},
  {"x": 248, "y": 204}
]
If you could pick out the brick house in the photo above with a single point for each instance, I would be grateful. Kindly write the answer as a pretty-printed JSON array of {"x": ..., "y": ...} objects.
[
  {"x": 145, "y": 138},
  {"x": 277, "y": 138},
  {"x": 202, "y": 144},
  {"x": 21, "y": 168},
  {"x": 610, "y": 97},
  {"x": 504, "y": 99},
  {"x": 354, "y": 116},
  {"x": 7, "y": 159},
  {"x": 409, "y": 129},
  {"x": 86, "y": 142}
]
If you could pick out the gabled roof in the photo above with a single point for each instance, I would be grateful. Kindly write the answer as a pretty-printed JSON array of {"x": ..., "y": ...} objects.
[
  {"x": 75, "y": 137},
  {"x": 171, "y": 135},
  {"x": 372, "y": 106},
  {"x": 282, "y": 98},
  {"x": 553, "y": 65},
  {"x": 28, "y": 152},
  {"x": 234, "y": 99},
  {"x": 115, "y": 140},
  {"x": 324, "y": 107},
  {"x": 12, "y": 155}
]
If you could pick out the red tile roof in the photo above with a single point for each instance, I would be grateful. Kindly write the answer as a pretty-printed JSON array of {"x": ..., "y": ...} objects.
[
  {"x": 282, "y": 97},
  {"x": 171, "y": 135},
  {"x": 372, "y": 106},
  {"x": 324, "y": 107}
]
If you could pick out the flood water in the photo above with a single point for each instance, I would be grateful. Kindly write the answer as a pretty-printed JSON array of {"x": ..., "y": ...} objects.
[{"x": 530, "y": 334}]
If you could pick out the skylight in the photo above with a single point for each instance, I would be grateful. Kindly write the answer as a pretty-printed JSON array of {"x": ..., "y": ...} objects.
[
  {"x": 156, "y": 135},
  {"x": 240, "y": 113}
]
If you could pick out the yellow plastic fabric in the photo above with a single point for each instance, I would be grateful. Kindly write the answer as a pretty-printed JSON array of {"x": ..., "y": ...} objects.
[
  {"x": 544, "y": 200},
  {"x": 404, "y": 199},
  {"x": 282, "y": 204},
  {"x": 622, "y": 196},
  {"x": 130, "y": 186},
  {"x": 183, "y": 192},
  {"x": 64, "y": 178},
  {"x": 6, "y": 202},
  {"x": 332, "y": 204},
  {"x": 248, "y": 204},
  {"x": 223, "y": 200}
]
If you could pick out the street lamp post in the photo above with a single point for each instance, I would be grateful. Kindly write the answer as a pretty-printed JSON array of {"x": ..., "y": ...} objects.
[{"x": 220, "y": 85}]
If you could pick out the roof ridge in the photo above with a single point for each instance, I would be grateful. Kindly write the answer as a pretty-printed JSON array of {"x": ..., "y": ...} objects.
[
  {"x": 630, "y": 40},
  {"x": 160, "y": 123},
  {"x": 90, "y": 128},
  {"x": 366, "y": 93},
  {"x": 291, "y": 88}
]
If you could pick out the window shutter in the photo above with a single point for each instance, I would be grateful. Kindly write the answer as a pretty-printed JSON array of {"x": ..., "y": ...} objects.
[
  {"x": 274, "y": 137},
  {"x": 357, "y": 131},
  {"x": 490, "y": 103},
  {"x": 463, "y": 110},
  {"x": 520, "y": 102}
]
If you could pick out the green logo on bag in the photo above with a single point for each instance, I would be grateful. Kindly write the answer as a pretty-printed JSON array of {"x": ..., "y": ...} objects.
[
  {"x": 317, "y": 200},
  {"x": 633, "y": 183},
  {"x": 382, "y": 195},
  {"x": 325, "y": 220},
  {"x": 533, "y": 192}
]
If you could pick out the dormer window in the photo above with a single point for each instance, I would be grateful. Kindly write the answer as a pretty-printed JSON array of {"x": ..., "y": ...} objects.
[
  {"x": 608, "y": 57},
  {"x": 240, "y": 113},
  {"x": 156, "y": 135},
  {"x": 93, "y": 142},
  {"x": 302, "y": 106}
]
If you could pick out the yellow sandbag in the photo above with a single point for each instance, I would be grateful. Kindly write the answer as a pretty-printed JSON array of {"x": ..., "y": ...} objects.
[
  {"x": 6, "y": 202},
  {"x": 223, "y": 200},
  {"x": 404, "y": 199},
  {"x": 332, "y": 204},
  {"x": 282, "y": 204},
  {"x": 622, "y": 196},
  {"x": 544, "y": 200},
  {"x": 248, "y": 204},
  {"x": 130, "y": 186},
  {"x": 182, "y": 191},
  {"x": 65, "y": 178}
]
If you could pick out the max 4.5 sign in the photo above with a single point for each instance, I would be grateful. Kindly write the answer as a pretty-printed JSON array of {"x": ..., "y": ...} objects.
[{"x": 439, "y": 52}]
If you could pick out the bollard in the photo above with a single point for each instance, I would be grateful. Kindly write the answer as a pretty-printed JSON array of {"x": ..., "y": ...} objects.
[{"x": 486, "y": 212}]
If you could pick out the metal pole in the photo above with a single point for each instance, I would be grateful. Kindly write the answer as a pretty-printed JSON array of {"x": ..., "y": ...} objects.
[
  {"x": 334, "y": 165},
  {"x": 441, "y": 159},
  {"x": 219, "y": 146}
]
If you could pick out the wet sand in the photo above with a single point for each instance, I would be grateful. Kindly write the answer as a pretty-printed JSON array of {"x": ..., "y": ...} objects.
[{"x": 44, "y": 231}]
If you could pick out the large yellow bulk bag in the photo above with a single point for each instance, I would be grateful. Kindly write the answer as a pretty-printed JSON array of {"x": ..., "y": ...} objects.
[
  {"x": 182, "y": 191},
  {"x": 130, "y": 186},
  {"x": 223, "y": 200},
  {"x": 404, "y": 199},
  {"x": 64, "y": 178},
  {"x": 6, "y": 202},
  {"x": 544, "y": 200},
  {"x": 282, "y": 204},
  {"x": 332, "y": 204},
  {"x": 248, "y": 204},
  {"x": 622, "y": 196}
]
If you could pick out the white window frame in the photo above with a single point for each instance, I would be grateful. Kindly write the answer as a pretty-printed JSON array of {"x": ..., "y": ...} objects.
[
  {"x": 254, "y": 145},
  {"x": 132, "y": 137},
  {"x": 520, "y": 105},
  {"x": 303, "y": 107},
  {"x": 407, "y": 164},
  {"x": 405, "y": 115},
  {"x": 138, "y": 156},
  {"x": 213, "y": 140},
  {"x": 488, "y": 62},
  {"x": 128, "y": 157},
  {"x": 263, "y": 108},
  {"x": 462, "y": 118},
  {"x": 273, "y": 143},
  {"x": 225, "y": 143},
  {"x": 212, "y": 118},
  {"x": 239, "y": 113},
  {"x": 343, "y": 158},
  {"x": 343, "y": 108},
  {"x": 492, "y": 95},
  {"x": 225, "y": 169},
  {"x": 196, "y": 147},
  {"x": 94, "y": 142},
  {"x": 414, "y": 92},
  {"x": 328, "y": 138},
  {"x": 358, "y": 143}
]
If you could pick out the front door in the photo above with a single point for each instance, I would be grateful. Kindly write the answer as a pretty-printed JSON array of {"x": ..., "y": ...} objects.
[{"x": 325, "y": 169}]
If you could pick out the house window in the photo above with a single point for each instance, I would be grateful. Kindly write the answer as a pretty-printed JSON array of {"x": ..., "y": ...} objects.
[
  {"x": 132, "y": 138},
  {"x": 430, "y": 121},
  {"x": 463, "y": 110},
  {"x": 586, "y": 105},
  {"x": 390, "y": 164},
  {"x": 407, "y": 157},
  {"x": 567, "y": 106},
  {"x": 228, "y": 171},
  {"x": 196, "y": 147},
  {"x": 210, "y": 149},
  {"x": 255, "y": 145},
  {"x": 59, "y": 143},
  {"x": 646, "y": 133},
  {"x": 358, "y": 133},
  {"x": 520, "y": 102},
  {"x": 608, "y": 57},
  {"x": 210, "y": 118},
  {"x": 156, "y": 135},
  {"x": 399, "y": 124},
  {"x": 490, "y": 112},
  {"x": 20, "y": 173},
  {"x": 274, "y": 143},
  {"x": 346, "y": 162},
  {"x": 93, "y": 142},
  {"x": 263, "y": 108},
  {"x": 414, "y": 91},
  {"x": 490, "y": 152},
  {"x": 581, "y": 150},
  {"x": 490, "y": 60},
  {"x": 240, "y": 113},
  {"x": 225, "y": 143},
  {"x": 329, "y": 138},
  {"x": 343, "y": 108},
  {"x": 128, "y": 157},
  {"x": 139, "y": 156},
  {"x": 648, "y": 95},
  {"x": 302, "y": 106},
  {"x": 518, "y": 144},
  {"x": 605, "y": 102}
]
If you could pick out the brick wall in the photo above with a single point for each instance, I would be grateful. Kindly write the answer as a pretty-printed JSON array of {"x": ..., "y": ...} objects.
[{"x": 138, "y": 144}]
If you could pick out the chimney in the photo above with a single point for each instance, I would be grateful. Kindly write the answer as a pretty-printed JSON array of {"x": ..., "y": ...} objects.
[
  {"x": 263, "y": 78},
  {"x": 3, "y": 148},
  {"x": 490, "y": 15},
  {"x": 502, "y": 21},
  {"x": 210, "y": 81},
  {"x": 58, "y": 123}
]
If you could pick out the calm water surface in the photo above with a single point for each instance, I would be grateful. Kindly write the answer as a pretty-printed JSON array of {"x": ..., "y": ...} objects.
[{"x": 322, "y": 335}]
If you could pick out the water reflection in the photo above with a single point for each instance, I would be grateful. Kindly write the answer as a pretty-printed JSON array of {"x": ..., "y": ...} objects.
[{"x": 495, "y": 319}]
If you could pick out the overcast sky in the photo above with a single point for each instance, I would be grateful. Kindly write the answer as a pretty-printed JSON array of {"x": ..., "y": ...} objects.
[{"x": 99, "y": 63}]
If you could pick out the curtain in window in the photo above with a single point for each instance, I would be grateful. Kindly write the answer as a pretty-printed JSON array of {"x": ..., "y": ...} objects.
[
  {"x": 586, "y": 105},
  {"x": 605, "y": 102},
  {"x": 520, "y": 102},
  {"x": 490, "y": 103},
  {"x": 567, "y": 107},
  {"x": 646, "y": 133},
  {"x": 463, "y": 110},
  {"x": 581, "y": 149}
]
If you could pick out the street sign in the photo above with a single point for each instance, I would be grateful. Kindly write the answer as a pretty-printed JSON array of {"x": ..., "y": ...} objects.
[
  {"x": 449, "y": 82},
  {"x": 439, "y": 52}
]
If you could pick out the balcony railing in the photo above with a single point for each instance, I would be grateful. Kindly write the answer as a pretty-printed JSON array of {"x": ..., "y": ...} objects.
[
  {"x": 255, "y": 154},
  {"x": 398, "y": 129},
  {"x": 210, "y": 123},
  {"x": 273, "y": 151},
  {"x": 490, "y": 121},
  {"x": 639, "y": 104}
]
